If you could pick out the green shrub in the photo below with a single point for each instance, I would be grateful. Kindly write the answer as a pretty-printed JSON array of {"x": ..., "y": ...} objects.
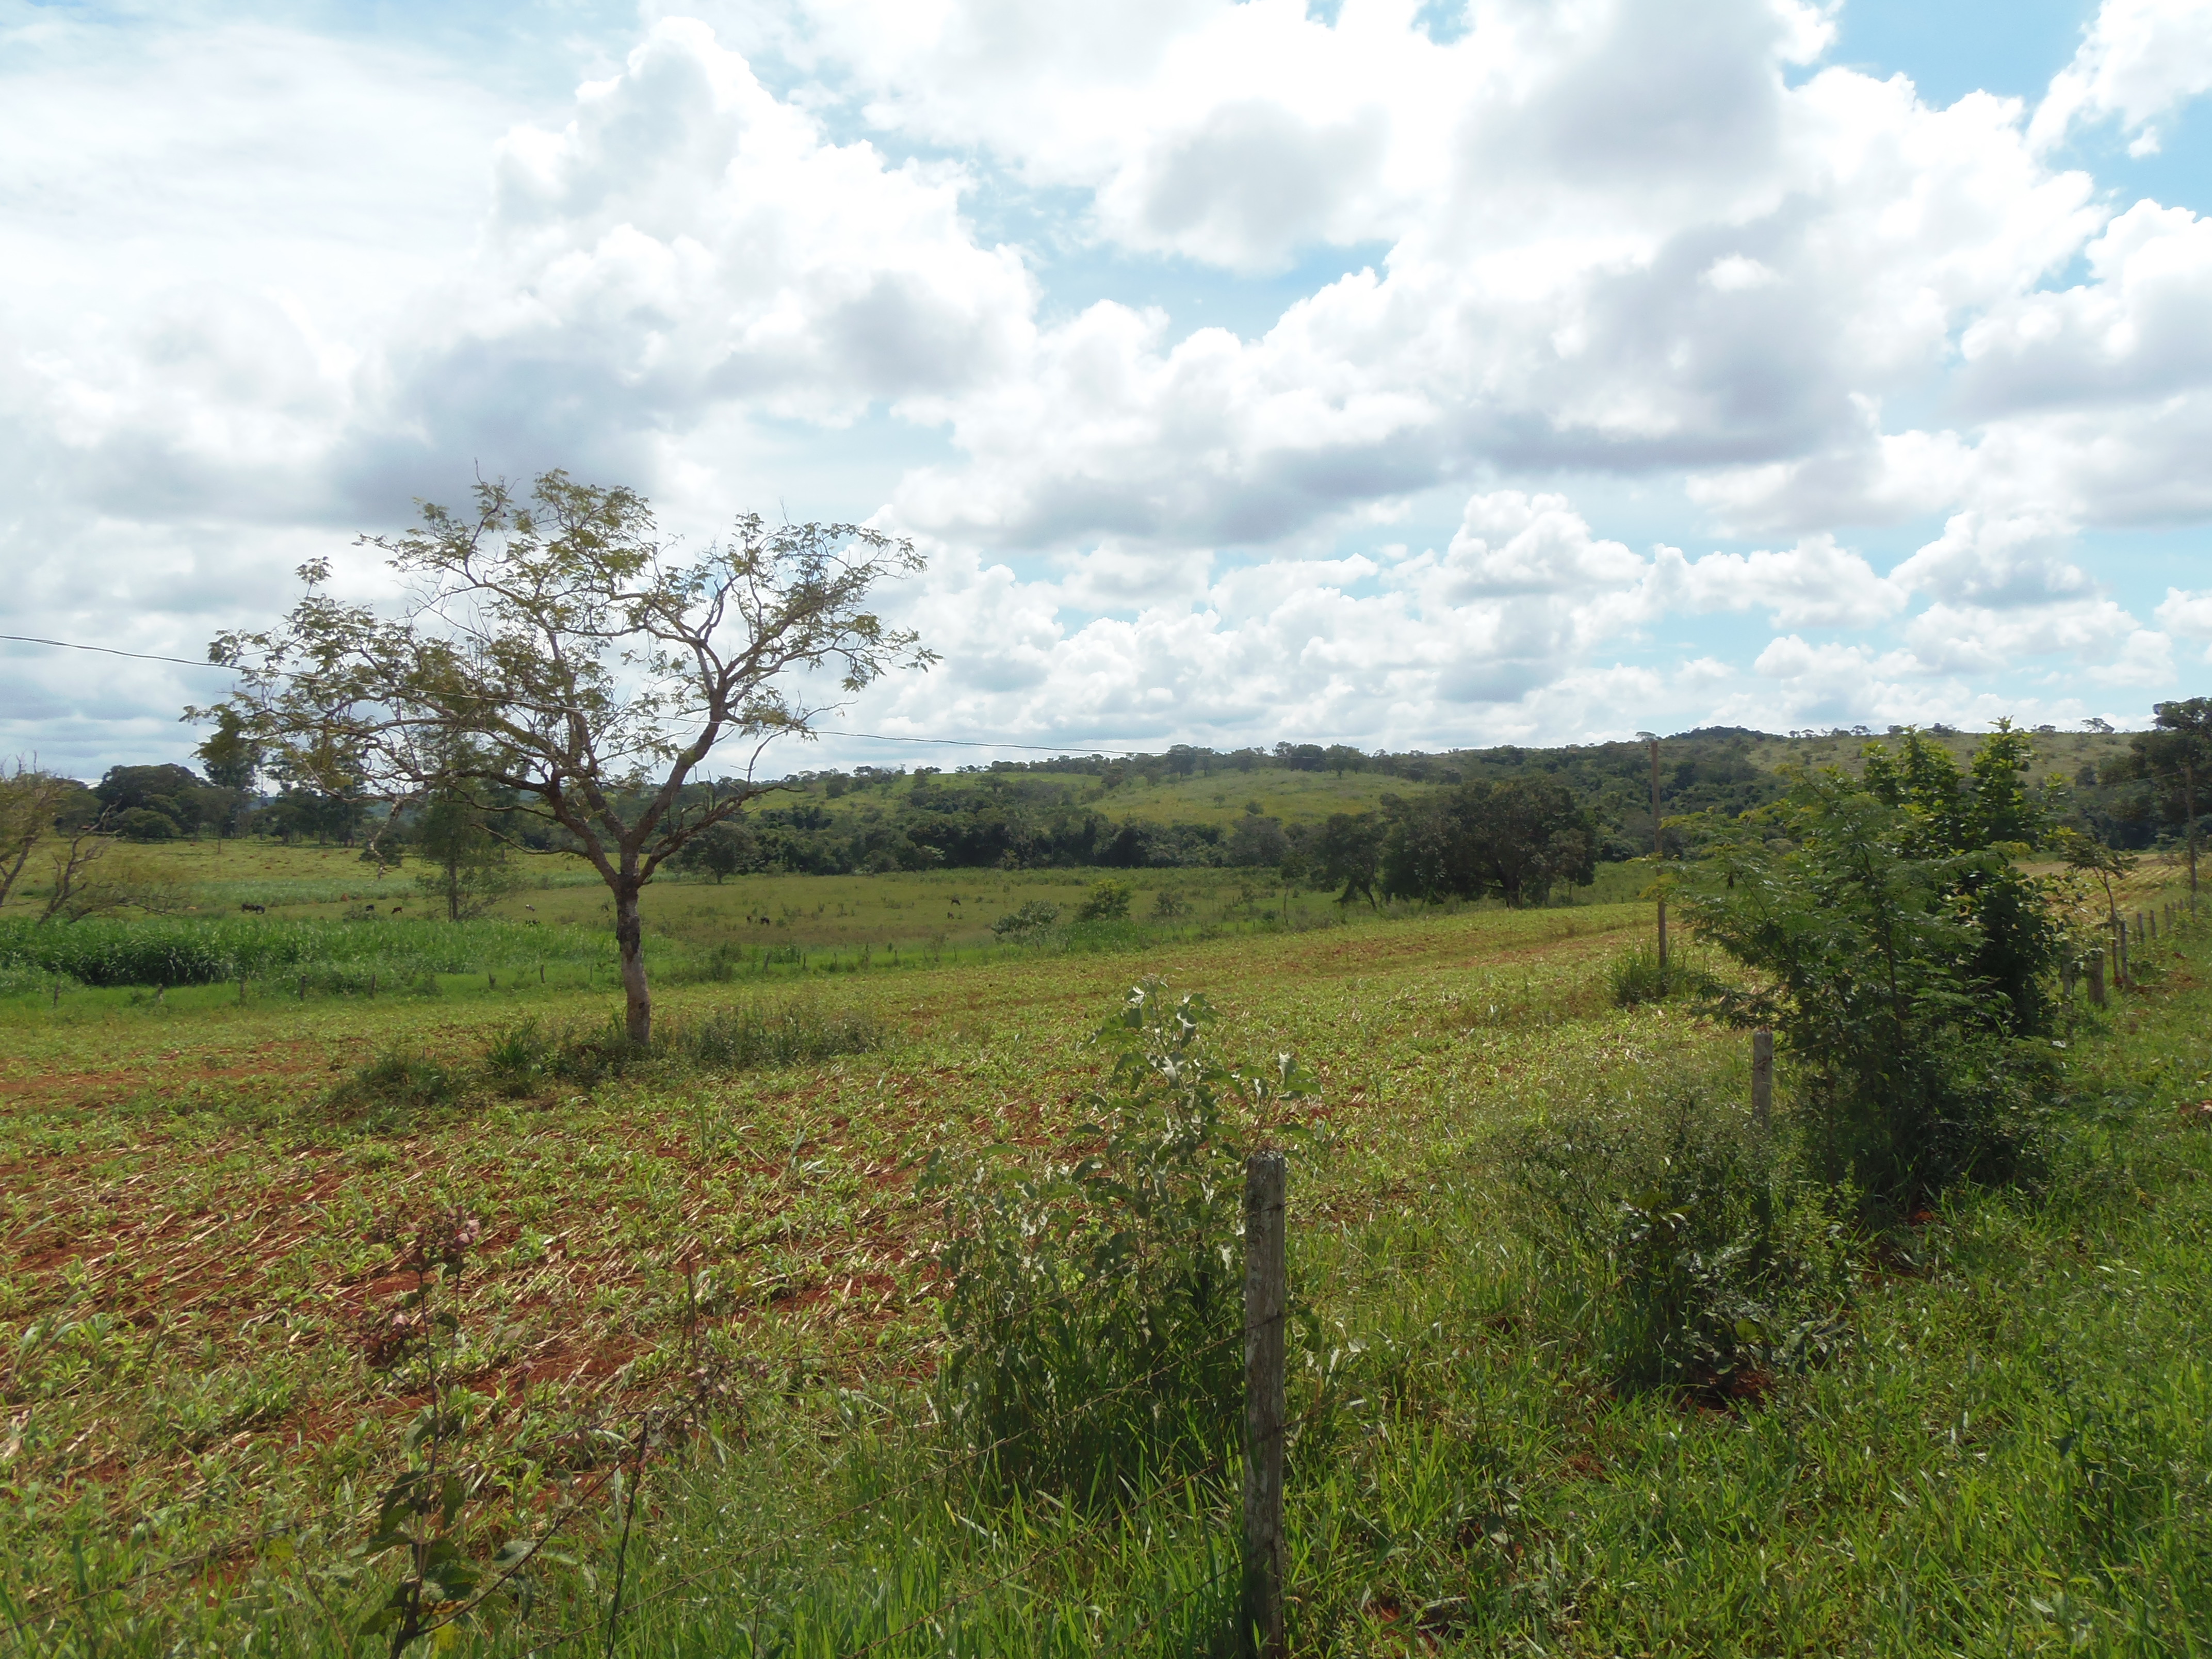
[
  {"x": 794, "y": 1032},
  {"x": 1107, "y": 901},
  {"x": 1903, "y": 961},
  {"x": 398, "y": 1082},
  {"x": 1032, "y": 919},
  {"x": 1093, "y": 1308},
  {"x": 1697, "y": 1258},
  {"x": 518, "y": 1057}
]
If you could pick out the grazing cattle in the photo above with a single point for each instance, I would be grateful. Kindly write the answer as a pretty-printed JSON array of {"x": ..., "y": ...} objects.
[
  {"x": 395, "y": 909},
  {"x": 257, "y": 910}
]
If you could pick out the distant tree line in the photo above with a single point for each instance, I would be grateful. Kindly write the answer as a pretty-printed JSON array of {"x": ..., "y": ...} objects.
[{"x": 1519, "y": 823}]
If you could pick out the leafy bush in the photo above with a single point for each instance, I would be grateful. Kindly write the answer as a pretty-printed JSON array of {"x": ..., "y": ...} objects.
[
  {"x": 1107, "y": 901},
  {"x": 516, "y": 1060},
  {"x": 1700, "y": 1258},
  {"x": 1033, "y": 916},
  {"x": 1902, "y": 956},
  {"x": 143, "y": 823},
  {"x": 1094, "y": 1308},
  {"x": 793, "y": 1032}
]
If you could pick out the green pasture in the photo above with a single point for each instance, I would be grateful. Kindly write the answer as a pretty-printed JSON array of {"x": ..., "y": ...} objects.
[
  {"x": 1219, "y": 797},
  {"x": 328, "y": 928},
  {"x": 202, "y": 1201}
]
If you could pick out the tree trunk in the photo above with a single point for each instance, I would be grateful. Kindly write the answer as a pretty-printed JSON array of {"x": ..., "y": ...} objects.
[
  {"x": 629, "y": 939},
  {"x": 2189, "y": 806}
]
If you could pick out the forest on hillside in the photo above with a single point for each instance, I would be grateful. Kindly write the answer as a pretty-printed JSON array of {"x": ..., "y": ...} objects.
[{"x": 1319, "y": 815}]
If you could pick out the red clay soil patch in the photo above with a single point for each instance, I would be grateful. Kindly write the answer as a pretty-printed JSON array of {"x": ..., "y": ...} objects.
[{"x": 164, "y": 1073}]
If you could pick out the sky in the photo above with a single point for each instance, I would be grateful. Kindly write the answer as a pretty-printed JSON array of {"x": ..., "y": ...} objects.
[{"x": 1413, "y": 374}]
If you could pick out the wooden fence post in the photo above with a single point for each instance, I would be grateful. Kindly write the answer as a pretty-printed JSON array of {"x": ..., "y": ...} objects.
[
  {"x": 1267, "y": 1295},
  {"x": 303, "y": 988},
  {"x": 1762, "y": 1078},
  {"x": 2097, "y": 978}
]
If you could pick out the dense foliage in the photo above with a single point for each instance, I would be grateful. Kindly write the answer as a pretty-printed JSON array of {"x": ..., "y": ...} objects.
[
  {"x": 1518, "y": 840},
  {"x": 1901, "y": 955}
]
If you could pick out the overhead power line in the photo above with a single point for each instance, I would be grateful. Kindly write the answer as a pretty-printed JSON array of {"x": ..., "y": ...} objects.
[
  {"x": 110, "y": 651},
  {"x": 873, "y": 737}
]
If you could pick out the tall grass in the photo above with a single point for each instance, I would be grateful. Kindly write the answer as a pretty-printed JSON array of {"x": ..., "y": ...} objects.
[
  {"x": 192, "y": 951},
  {"x": 788, "y": 1031}
]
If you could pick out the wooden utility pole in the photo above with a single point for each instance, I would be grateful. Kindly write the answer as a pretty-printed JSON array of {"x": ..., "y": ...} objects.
[{"x": 1266, "y": 1297}]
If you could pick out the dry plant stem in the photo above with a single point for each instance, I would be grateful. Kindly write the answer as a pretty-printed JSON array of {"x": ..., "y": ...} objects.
[{"x": 630, "y": 1516}]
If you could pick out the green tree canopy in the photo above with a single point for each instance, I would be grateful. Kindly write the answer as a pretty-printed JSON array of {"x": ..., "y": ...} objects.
[
  {"x": 1516, "y": 840},
  {"x": 556, "y": 650}
]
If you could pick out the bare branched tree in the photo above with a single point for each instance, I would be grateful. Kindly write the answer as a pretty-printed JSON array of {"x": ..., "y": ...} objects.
[{"x": 555, "y": 653}]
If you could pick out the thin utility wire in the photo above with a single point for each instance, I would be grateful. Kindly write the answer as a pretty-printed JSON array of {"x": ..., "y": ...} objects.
[
  {"x": 112, "y": 651},
  {"x": 873, "y": 736}
]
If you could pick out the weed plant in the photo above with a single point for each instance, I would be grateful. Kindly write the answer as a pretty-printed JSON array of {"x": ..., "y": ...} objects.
[
  {"x": 1093, "y": 1308},
  {"x": 524, "y": 1056},
  {"x": 1690, "y": 1253},
  {"x": 1638, "y": 976},
  {"x": 396, "y": 1085}
]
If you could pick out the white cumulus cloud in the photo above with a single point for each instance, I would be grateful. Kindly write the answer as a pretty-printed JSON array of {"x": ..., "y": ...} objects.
[{"x": 2138, "y": 60}]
